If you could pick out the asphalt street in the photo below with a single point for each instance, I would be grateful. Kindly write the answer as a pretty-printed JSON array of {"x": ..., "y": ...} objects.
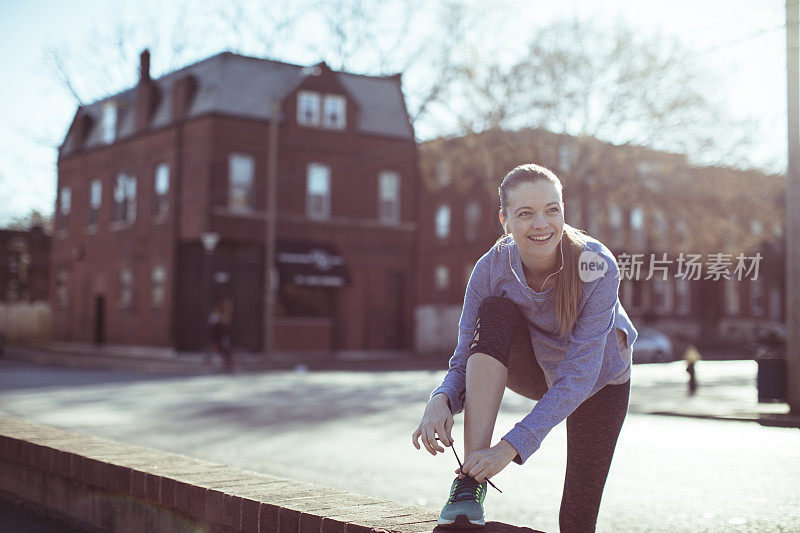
[{"x": 352, "y": 431}]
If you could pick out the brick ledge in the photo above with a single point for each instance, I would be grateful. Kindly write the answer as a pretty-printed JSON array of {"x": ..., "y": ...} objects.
[{"x": 106, "y": 485}]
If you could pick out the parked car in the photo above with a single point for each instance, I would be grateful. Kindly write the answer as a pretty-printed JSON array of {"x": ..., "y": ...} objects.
[{"x": 652, "y": 346}]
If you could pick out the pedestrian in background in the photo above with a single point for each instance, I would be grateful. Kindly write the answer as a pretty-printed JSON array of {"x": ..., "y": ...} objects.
[
  {"x": 691, "y": 356},
  {"x": 536, "y": 322},
  {"x": 221, "y": 340}
]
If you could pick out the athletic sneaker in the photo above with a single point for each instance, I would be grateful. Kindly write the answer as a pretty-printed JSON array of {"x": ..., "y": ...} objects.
[{"x": 464, "y": 507}]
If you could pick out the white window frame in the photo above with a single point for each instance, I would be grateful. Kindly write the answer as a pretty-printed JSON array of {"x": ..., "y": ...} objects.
[
  {"x": 662, "y": 288},
  {"x": 472, "y": 220},
  {"x": 95, "y": 201},
  {"x": 333, "y": 102},
  {"x": 683, "y": 293},
  {"x": 124, "y": 195},
  {"x": 661, "y": 229},
  {"x": 241, "y": 177},
  {"x": 567, "y": 157},
  {"x": 109, "y": 122},
  {"x": 158, "y": 282},
  {"x": 125, "y": 296},
  {"x": 443, "y": 172},
  {"x": 732, "y": 297},
  {"x": 161, "y": 189},
  {"x": 441, "y": 278},
  {"x": 442, "y": 221},
  {"x": 312, "y": 98},
  {"x": 318, "y": 191},
  {"x": 389, "y": 197},
  {"x": 637, "y": 228}
]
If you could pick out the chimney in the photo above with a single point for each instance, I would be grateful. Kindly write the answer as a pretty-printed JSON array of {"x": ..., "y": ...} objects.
[
  {"x": 144, "y": 66},
  {"x": 145, "y": 93}
]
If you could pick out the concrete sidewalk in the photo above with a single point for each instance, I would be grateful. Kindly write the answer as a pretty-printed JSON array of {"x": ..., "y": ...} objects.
[{"x": 727, "y": 389}]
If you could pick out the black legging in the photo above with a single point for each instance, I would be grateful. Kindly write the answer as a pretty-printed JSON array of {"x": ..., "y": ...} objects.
[{"x": 592, "y": 429}]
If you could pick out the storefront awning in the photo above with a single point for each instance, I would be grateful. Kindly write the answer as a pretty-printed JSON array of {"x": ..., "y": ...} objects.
[{"x": 312, "y": 264}]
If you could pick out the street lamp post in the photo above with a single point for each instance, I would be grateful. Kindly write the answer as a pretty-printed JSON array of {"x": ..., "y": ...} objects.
[
  {"x": 793, "y": 207},
  {"x": 269, "y": 254},
  {"x": 270, "y": 277}
]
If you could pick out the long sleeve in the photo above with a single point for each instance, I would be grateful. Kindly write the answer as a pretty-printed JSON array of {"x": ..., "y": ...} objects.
[
  {"x": 454, "y": 384},
  {"x": 577, "y": 373}
]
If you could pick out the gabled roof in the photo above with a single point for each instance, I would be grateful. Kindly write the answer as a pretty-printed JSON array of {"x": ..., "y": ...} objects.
[{"x": 244, "y": 86}]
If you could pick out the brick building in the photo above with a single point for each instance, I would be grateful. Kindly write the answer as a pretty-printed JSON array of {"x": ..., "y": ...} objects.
[
  {"x": 636, "y": 201},
  {"x": 148, "y": 176},
  {"x": 24, "y": 265}
]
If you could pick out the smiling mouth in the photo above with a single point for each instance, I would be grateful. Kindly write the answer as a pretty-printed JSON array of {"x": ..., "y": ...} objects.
[{"x": 541, "y": 241}]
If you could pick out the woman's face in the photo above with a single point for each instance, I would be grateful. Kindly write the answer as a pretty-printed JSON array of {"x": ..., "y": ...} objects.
[{"x": 535, "y": 210}]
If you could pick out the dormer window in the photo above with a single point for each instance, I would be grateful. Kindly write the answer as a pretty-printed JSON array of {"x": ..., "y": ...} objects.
[
  {"x": 109, "y": 122},
  {"x": 334, "y": 116},
  {"x": 308, "y": 108}
]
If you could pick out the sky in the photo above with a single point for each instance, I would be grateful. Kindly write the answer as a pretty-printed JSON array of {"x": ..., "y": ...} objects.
[{"x": 741, "y": 39}]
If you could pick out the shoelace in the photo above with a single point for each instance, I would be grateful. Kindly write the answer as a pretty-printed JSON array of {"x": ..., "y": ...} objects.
[{"x": 462, "y": 467}]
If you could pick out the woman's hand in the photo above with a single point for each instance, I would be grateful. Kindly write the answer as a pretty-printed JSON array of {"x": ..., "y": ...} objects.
[
  {"x": 436, "y": 420},
  {"x": 488, "y": 462}
]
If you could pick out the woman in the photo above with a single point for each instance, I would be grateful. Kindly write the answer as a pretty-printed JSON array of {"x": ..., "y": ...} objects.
[{"x": 542, "y": 317}]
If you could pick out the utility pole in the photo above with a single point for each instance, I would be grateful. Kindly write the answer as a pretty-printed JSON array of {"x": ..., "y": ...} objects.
[
  {"x": 793, "y": 207},
  {"x": 269, "y": 249}
]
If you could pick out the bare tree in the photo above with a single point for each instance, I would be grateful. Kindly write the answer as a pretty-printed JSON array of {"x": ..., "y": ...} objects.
[{"x": 604, "y": 83}]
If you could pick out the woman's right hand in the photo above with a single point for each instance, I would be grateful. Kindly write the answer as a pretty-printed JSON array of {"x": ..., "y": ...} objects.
[{"x": 436, "y": 420}]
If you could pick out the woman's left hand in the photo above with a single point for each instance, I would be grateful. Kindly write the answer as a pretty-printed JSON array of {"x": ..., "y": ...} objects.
[{"x": 488, "y": 462}]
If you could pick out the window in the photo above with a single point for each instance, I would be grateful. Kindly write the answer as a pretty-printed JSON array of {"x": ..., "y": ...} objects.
[
  {"x": 731, "y": 296},
  {"x": 567, "y": 157},
  {"x": 158, "y": 280},
  {"x": 616, "y": 237},
  {"x": 637, "y": 228},
  {"x": 593, "y": 222},
  {"x": 472, "y": 216},
  {"x": 109, "y": 122},
  {"x": 575, "y": 212},
  {"x": 241, "y": 168},
  {"x": 389, "y": 197},
  {"x": 318, "y": 191},
  {"x": 443, "y": 173},
  {"x": 308, "y": 108},
  {"x": 124, "y": 198},
  {"x": 64, "y": 207},
  {"x": 662, "y": 294},
  {"x": 125, "y": 287},
  {"x": 161, "y": 186},
  {"x": 757, "y": 297},
  {"x": 62, "y": 287},
  {"x": 627, "y": 289},
  {"x": 443, "y": 221},
  {"x": 660, "y": 229},
  {"x": 683, "y": 296},
  {"x": 682, "y": 234},
  {"x": 335, "y": 114},
  {"x": 442, "y": 278},
  {"x": 95, "y": 197}
]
